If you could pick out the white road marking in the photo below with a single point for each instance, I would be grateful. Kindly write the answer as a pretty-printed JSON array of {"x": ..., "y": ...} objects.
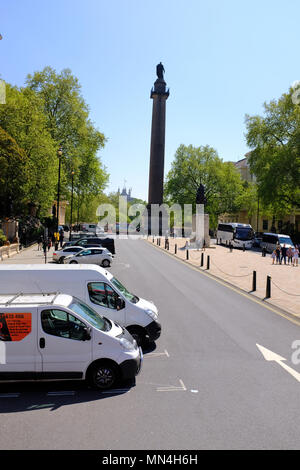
[
  {"x": 271, "y": 356},
  {"x": 172, "y": 388},
  {"x": 165, "y": 353}
]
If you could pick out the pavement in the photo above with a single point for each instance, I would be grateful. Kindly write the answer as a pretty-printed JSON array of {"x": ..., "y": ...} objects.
[{"x": 236, "y": 267}]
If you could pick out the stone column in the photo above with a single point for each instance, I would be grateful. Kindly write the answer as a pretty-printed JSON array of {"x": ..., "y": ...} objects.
[{"x": 159, "y": 94}]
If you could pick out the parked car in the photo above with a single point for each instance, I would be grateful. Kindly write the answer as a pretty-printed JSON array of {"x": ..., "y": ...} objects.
[
  {"x": 257, "y": 241},
  {"x": 98, "y": 255},
  {"x": 108, "y": 243},
  {"x": 59, "y": 255}
]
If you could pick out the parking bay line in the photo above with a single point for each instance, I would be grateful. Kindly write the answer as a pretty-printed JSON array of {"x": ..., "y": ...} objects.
[
  {"x": 171, "y": 388},
  {"x": 165, "y": 353}
]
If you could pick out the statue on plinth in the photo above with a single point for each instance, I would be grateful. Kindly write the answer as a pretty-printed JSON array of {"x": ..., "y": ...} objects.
[{"x": 160, "y": 71}]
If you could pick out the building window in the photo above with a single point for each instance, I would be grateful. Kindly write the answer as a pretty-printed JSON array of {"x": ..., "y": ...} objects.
[{"x": 265, "y": 225}]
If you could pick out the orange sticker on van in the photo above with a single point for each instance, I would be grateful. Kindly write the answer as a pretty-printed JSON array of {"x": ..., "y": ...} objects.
[{"x": 14, "y": 326}]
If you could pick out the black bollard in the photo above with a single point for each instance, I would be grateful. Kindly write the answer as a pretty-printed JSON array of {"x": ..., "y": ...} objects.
[
  {"x": 187, "y": 254},
  {"x": 202, "y": 259},
  {"x": 268, "y": 288},
  {"x": 175, "y": 248},
  {"x": 244, "y": 247},
  {"x": 254, "y": 281},
  {"x": 207, "y": 266}
]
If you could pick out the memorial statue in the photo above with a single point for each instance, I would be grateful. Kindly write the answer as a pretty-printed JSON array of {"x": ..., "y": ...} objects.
[
  {"x": 160, "y": 71},
  {"x": 200, "y": 197}
]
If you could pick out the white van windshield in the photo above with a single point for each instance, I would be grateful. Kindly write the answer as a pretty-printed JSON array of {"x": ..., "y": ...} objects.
[
  {"x": 286, "y": 240},
  {"x": 131, "y": 297},
  {"x": 90, "y": 315}
]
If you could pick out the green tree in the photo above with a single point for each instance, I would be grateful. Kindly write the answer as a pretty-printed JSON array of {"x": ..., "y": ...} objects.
[
  {"x": 275, "y": 156},
  {"x": 23, "y": 118},
  {"x": 193, "y": 166},
  {"x": 13, "y": 175},
  {"x": 69, "y": 124}
]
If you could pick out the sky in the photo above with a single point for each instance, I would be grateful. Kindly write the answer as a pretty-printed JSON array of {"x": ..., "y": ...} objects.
[{"x": 222, "y": 60}]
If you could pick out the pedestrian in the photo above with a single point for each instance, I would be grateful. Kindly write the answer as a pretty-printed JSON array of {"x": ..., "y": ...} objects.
[
  {"x": 290, "y": 255},
  {"x": 278, "y": 251},
  {"x": 61, "y": 238},
  {"x": 56, "y": 236},
  {"x": 45, "y": 245},
  {"x": 40, "y": 242},
  {"x": 273, "y": 256},
  {"x": 295, "y": 256},
  {"x": 283, "y": 253}
]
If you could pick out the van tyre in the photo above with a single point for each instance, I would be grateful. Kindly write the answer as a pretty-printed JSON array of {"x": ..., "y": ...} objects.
[
  {"x": 105, "y": 263},
  {"x": 61, "y": 260},
  {"x": 103, "y": 375},
  {"x": 73, "y": 262},
  {"x": 138, "y": 334}
]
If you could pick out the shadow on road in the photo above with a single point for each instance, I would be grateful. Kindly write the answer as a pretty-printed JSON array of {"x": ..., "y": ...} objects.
[{"x": 29, "y": 396}]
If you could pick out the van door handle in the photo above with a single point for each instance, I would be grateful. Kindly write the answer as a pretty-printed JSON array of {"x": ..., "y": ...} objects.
[{"x": 42, "y": 343}]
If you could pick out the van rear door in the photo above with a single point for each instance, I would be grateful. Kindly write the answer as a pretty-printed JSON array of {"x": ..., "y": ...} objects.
[{"x": 19, "y": 356}]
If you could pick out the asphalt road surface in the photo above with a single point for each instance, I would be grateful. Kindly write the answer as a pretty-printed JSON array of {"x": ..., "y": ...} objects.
[{"x": 206, "y": 385}]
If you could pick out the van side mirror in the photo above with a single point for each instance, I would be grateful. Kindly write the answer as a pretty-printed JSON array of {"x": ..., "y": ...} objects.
[
  {"x": 86, "y": 334},
  {"x": 120, "y": 303}
]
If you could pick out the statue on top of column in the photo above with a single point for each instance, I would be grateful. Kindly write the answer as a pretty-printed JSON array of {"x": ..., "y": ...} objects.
[{"x": 160, "y": 71}]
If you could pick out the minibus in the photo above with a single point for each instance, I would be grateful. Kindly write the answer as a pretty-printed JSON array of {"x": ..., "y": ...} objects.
[{"x": 270, "y": 240}]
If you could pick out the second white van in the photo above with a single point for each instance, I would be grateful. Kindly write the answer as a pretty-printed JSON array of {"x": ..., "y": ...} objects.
[{"x": 95, "y": 286}]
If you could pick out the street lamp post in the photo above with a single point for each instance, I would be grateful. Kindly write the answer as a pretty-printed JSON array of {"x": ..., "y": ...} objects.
[
  {"x": 70, "y": 236},
  {"x": 59, "y": 154}
]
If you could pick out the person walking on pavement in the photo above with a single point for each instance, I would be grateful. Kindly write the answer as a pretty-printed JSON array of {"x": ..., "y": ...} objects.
[
  {"x": 278, "y": 251},
  {"x": 56, "y": 236},
  {"x": 273, "y": 256},
  {"x": 283, "y": 253},
  {"x": 295, "y": 256},
  {"x": 61, "y": 238},
  {"x": 290, "y": 255},
  {"x": 40, "y": 242}
]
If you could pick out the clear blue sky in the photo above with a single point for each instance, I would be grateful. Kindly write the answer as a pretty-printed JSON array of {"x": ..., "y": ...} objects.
[{"x": 222, "y": 59}]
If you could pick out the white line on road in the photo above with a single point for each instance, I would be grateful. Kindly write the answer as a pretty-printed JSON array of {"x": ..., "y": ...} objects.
[
  {"x": 172, "y": 388},
  {"x": 165, "y": 353}
]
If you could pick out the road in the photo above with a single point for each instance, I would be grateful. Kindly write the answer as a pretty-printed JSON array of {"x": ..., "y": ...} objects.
[{"x": 207, "y": 385}]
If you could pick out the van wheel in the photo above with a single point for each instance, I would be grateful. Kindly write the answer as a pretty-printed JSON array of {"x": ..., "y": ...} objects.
[
  {"x": 138, "y": 334},
  {"x": 103, "y": 375},
  {"x": 105, "y": 263},
  {"x": 73, "y": 262},
  {"x": 61, "y": 260}
]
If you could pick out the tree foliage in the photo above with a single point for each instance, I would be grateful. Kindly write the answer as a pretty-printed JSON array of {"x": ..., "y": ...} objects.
[
  {"x": 275, "y": 156},
  {"x": 48, "y": 113},
  {"x": 193, "y": 166}
]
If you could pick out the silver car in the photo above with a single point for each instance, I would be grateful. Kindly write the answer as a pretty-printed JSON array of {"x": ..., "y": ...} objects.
[
  {"x": 90, "y": 255},
  {"x": 59, "y": 255}
]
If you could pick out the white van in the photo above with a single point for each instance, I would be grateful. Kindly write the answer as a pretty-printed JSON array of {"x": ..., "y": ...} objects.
[
  {"x": 92, "y": 284},
  {"x": 271, "y": 240},
  {"x": 58, "y": 337}
]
